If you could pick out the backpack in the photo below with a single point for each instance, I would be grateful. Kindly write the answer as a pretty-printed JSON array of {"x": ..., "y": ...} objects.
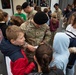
[{"x": 72, "y": 56}]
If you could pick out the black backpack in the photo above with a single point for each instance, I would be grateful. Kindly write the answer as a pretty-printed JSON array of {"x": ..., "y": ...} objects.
[{"x": 72, "y": 56}]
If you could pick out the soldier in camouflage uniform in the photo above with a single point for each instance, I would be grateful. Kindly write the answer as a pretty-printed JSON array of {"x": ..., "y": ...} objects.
[
  {"x": 58, "y": 11},
  {"x": 28, "y": 10},
  {"x": 36, "y": 31}
]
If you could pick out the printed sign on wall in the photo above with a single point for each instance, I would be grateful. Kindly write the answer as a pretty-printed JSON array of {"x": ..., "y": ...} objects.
[{"x": 6, "y": 4}]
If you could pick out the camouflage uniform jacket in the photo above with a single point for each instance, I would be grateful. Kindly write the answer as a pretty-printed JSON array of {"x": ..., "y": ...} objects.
[
  {"x": 59, "y": 13},
  {"x": 35, "y": 36}
]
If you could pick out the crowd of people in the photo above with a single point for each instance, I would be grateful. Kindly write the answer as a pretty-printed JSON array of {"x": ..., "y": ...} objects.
[{"x": 32, "y": 44}]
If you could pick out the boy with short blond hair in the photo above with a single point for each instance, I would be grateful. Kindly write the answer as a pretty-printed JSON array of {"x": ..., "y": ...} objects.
[
  {"x": 13, "y": 32},
  {"x": 11, "y": 48}
]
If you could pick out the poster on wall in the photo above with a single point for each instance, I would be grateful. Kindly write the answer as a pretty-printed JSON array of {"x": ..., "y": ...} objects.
[
  {"x": 43, "y": 3},
  {"x": 6, "y": 4}
]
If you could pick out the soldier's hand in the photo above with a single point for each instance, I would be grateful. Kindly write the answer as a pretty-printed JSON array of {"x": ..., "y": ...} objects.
[{"x": 31, "y": 48}]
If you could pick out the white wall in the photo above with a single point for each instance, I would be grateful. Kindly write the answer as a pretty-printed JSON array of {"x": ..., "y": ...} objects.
[
  {"x": 9, "y": 11},
  {"x": 17, "y": 2},
  {"x": 20, "y": 2},
  {"x": 52, "y": 4}
]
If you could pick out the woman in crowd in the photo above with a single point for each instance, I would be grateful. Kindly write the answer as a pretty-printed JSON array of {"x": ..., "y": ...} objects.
[{"x": 71, "y": 32}]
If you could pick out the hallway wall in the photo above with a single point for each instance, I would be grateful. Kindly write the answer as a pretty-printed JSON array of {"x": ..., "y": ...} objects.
[
  {"x": 52, "y": 4},
  {"x": 19, "y": 2},
  {"x": 63, "y": 3}
]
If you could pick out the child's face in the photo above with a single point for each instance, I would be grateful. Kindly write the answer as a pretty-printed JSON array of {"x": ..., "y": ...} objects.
[
  {"x": 54, "y": 19},
  {"x": 19, "y": 11},
  {"x": 20, "y": 40}
]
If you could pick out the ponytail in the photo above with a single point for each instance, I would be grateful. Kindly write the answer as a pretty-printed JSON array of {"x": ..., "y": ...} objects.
[
  {"x": 45, "y": 63},
  {"x": 44, "y": 56}
]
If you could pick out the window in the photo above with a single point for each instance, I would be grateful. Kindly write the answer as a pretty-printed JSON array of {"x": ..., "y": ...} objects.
[{"x": 42, "y": 3}]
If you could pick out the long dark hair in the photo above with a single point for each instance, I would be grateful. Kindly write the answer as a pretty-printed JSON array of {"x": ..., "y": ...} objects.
[
  {"x": 44, "y": 56},
  {"x": 74, "y": 14},
  {"x": 74, "y": 21}
]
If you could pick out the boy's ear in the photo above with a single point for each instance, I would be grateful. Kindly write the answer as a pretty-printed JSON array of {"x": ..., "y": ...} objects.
[{"x": 12, "y": 41}]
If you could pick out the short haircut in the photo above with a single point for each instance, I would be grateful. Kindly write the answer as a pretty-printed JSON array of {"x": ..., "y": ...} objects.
[
  {"x": 37, "y": 8},
  {"x": 45, "y": 10},
  {"x": 5, "y": 14},
  {"x": 24, "y": 5},
  {"x": 56, "y": 4},
  {"x": 18, "y": 7},
  {"x": 16, "y": 20},
  {"x": 12, "y": 32},
  {"x": 1, "y": 16}
]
